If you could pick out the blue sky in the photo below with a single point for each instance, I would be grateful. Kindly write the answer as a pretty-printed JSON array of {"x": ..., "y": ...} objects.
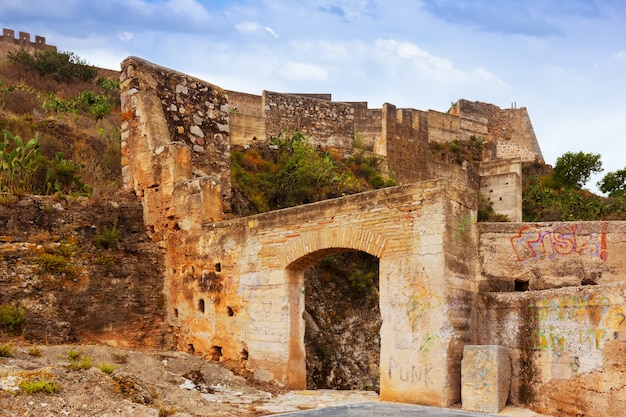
[{"x": 565, "y": 60}]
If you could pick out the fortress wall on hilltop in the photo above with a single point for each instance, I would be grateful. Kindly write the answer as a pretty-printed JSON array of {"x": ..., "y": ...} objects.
[{"x": 9, "y": 43}]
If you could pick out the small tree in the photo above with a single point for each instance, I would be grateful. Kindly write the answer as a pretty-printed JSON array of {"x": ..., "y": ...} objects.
[
  {"x": 572, "y": 170},
  {"x": 614, "y": 183}
]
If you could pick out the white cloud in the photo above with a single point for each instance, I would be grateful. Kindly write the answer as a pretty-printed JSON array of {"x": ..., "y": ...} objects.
[
  {"x": 271, "y": 31},
  {"x": 125, "y": 36},
  {"x": 247, "y": 27},
  {"x": 300, "y": 71}
]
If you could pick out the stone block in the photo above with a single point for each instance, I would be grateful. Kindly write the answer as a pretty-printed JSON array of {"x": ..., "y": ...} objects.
[{"x": 485, "y": 378}]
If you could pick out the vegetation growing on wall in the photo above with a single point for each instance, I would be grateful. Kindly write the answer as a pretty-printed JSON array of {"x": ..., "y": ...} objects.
[
  {"x": 458, "y": 151},
  {"x": 291, "y": 172}
]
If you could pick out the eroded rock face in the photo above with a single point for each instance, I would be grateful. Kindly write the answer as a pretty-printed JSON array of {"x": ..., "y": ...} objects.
[
  {"x": 343, "y": 322},
  {"x": 83, "y": 271}
]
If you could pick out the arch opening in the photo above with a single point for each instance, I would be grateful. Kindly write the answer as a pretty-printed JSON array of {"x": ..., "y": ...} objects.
[{"x": 342, "y": 321}]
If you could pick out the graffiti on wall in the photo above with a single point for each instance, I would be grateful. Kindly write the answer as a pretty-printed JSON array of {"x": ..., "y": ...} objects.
[
  {"x": 533, "y": 244},
  {"x": 579, "y": 320},
  {"x": 414, "y": 374},
  {"x": 419, "y": 301}
]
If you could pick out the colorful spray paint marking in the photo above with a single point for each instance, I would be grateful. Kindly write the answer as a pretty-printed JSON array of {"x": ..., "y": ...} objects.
[
  {"x": 576, "y": 321},
  {"x": 533, "y": 244},
  {"x": 419, "y": 300}
]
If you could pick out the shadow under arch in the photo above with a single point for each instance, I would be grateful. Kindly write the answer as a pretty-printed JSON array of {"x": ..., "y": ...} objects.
[{"x": 296, "y": 257}]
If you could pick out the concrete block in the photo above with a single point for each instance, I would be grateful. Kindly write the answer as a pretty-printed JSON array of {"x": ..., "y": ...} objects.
[{"x": 485, "y": 378}]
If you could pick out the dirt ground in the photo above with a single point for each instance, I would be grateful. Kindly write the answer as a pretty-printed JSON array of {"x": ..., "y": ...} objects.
[{"x": 143, "y": 384}]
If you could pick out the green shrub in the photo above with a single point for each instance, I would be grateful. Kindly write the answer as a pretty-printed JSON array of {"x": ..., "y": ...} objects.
[
  {"x": 107, "y": 368},
  {"x": 32, "y": 386},
  {"x": 107, "y": 238},
  {"x": 11, "y": 317},
  {"x": 6, "y": 349},
  {"x": 63, "y": 66},
  {"x": 82, "y": 362},
  {"x": 66, "y": 250},
  {"x": 35, "y": 351},
  {"x": 73, "y": 355},
  {"x": 52, "y": 263},
  {"x": 19, "y": 163}
]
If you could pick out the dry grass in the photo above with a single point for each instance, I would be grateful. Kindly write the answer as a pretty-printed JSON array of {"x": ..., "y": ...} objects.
[{"x": 94, "y": 144}]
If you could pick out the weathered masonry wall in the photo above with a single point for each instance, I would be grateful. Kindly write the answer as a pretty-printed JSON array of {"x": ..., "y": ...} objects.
[
  {"x": 236, "y": 292},
  {"x": 501, "y": 184},
  {"x": 329, "y": 123},
  {"x": 9, "y": 43},
  {"x": 552, "y": 255},
  {"x": 566, "y": 328},
  {"x": 509, "y": 129}
]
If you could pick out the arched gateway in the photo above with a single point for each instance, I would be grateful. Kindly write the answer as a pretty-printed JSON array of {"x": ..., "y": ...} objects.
[{"x": 234, "y": 287}]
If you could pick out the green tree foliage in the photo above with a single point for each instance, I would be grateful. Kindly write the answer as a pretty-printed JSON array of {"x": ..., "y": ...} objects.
[
  {"x": 63, "y": 66},
  {"x": 614, "y": 183},
  {"x": 572, "y": 170},
  {"x": 543, "y": 200}
]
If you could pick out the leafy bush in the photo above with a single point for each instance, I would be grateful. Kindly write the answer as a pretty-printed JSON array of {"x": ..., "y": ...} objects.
[
  {"x": 32, "y": 386},
  {"x": 19, "y": 163},
  {"x": 23, "y": 169},
  {"x": 63, "y": 66},
  {"x": 11, "y": 317}
]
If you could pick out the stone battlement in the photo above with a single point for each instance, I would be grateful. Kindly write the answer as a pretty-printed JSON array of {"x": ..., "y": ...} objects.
[{"x": 9, "y": 43}]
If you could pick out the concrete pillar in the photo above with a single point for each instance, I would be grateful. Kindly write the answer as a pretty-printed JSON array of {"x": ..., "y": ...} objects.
[{"x": 485, "y": 378}]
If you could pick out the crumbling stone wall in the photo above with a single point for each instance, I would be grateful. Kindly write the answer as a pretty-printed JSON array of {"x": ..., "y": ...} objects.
[
  {"x": 554, "y": 293},
  {"x": 510, "y": 129},
  {"x": 404, "y": 143},
  {"x": 329, "y": 123}
]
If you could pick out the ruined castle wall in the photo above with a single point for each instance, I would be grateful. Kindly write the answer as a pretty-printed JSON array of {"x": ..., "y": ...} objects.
[
  {"x": 330, "y": 124},
  {"x": 9, "y": 43},
  {"x": 510, "y": 129},
  {"x": 565, "y": 323},
  {"x": 442, "y": 127},
  {"x": 175, "y": 138},
  {"x": 241, "y": 293},
  {"x": 501, "y": 184},
  {"x": 367, "y": 124},
  {"x": 245, "y": 103},
  {"x": 465, "y": 174},
  {"x": 404, "y": 142},
  {"x": 246, "y": 128},
  {"x": 551, "y": 255},
  {"x": 566, "y": 346}
]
